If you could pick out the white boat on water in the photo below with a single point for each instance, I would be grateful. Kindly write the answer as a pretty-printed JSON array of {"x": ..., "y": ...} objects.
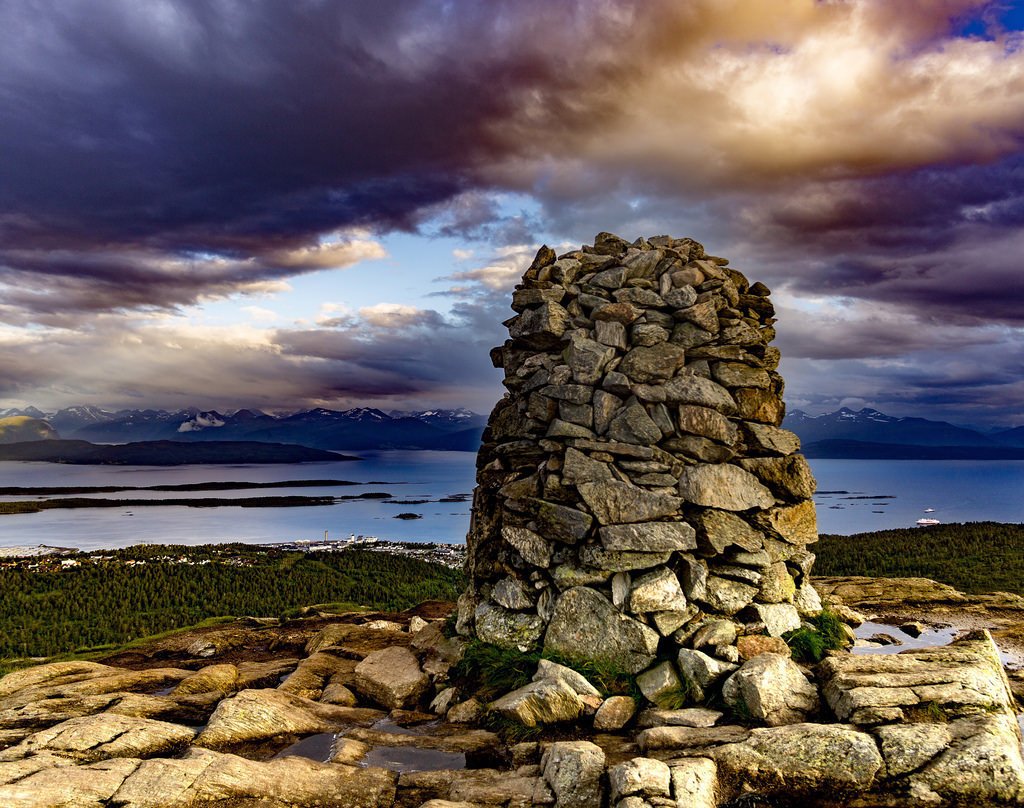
[
  {"x": 927, "y": 522},
  {"x": 929, "y": 510}
]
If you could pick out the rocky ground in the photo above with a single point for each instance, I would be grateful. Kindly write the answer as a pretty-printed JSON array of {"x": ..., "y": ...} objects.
[{"x": 359, "y": 710}]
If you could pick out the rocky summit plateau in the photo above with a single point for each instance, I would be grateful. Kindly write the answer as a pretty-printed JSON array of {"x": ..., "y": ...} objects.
[
  {"x": 640, "y": 628},
  {"x": 370, "y": 710}
]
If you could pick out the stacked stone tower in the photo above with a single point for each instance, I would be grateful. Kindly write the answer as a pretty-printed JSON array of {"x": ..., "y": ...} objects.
[{"x": 635, "y": 495}]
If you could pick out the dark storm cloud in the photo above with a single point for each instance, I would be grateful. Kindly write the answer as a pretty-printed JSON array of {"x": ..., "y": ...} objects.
[
  {"x": 401, "y": 351},
  {"x": 137, "y": 136},
  {"x": 221, "y": 125}
]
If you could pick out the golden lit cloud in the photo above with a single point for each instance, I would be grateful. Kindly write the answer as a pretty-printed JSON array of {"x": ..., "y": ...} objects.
[{"x": 746, "y": 93}]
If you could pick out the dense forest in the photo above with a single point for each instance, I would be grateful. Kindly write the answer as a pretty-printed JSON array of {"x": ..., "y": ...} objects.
[
  {"x": 973, "y": 556},
  {"x": 139, "y": 591}
]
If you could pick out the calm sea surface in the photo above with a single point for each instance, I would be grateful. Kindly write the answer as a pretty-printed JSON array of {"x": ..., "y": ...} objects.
[{"x": 898, "y": 493}]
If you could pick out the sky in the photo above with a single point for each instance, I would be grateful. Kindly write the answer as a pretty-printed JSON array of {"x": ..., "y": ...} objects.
[{"x": 285, "y": 205}]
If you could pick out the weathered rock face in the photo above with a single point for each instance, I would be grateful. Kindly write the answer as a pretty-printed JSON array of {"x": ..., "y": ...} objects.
[{"x": 634, "y": 485}]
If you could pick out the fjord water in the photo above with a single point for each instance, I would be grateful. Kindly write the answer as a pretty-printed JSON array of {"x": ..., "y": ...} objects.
[
  {"x": 957, "y": 490},
  {"x": 420, "y": 475}
]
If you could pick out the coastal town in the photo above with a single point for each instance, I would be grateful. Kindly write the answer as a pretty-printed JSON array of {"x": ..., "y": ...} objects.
[{"x": 46, "y": 558}]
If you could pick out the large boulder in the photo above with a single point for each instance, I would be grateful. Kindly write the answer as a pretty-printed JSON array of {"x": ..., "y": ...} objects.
[
  {"x": 586, "y": 626},
  {"x": 724, "y": 486},
  {"x": 547, "y": 701},
  {"x": 770, "y": 688},
  {"x": 257, "y": 715},
  {"x": 574, "y": 770},
  {"x": 961, "y": 679},
  {"x": 506, "y": 628},
  {"x": 391, "y": 677},
  {"x": 645, "y": 777},
  {"x": 695, "y": 783},
  {"x": 824, "y": 759},
  {"x": 617, "y": 502},
  {"x": 970, "y": 761}
]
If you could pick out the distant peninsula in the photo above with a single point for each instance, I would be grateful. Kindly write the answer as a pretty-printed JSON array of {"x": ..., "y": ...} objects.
[{"x": 164, "y": 453}]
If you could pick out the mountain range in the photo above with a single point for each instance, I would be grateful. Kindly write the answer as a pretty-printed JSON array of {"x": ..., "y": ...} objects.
[
  {"x": 868, "y": 433},
  {"x": 360, "y": 428},
  {"x": 843, "y": 433}
]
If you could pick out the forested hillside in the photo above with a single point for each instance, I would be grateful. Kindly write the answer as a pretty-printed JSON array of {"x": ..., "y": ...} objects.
[
  {"x": 136, "y": 592},
  {"x": 973, "y": 556}
]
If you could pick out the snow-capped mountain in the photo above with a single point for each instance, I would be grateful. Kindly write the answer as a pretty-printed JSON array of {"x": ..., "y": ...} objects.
[
  {"x": 460, "y": 417},
  {"x": 872, "y": 426},
  {"x": 322, "y": 428},
  {"x": 28, "y": 412}
]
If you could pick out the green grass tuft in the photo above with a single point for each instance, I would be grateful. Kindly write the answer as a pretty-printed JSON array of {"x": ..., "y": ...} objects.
[
  {"x": 810, "y": 644},
  {"x": 488, "y": 671}
]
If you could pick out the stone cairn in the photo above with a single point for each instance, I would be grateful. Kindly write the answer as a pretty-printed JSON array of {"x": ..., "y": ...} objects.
[{"x": 636, "y": 499}]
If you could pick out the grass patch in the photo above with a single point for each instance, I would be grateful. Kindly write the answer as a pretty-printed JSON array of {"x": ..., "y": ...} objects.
[
  {"x": 488, "y": 671},
  {"x": 805, "y": 644},
  {"x": 930, "y": 712},
  {"x": 810, "y": 644}
]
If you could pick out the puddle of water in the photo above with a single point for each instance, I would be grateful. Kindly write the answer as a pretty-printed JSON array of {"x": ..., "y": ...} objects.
[
  {"x": 164, "y": 691},
  {"x": 396, "y": 758},
  {"x": 411, "y": 759},
  {"x": 929, "y": 639},
  {"x": 387, "y": 725},
  {"x": 315, "y": 747}
]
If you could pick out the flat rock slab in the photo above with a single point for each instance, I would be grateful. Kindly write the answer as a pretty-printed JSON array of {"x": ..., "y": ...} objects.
[
  {"x": 98, "y": 737},
  {"x": 818, "y": 759},
  {"x": 46, "y": 712},
  {"x": 961, "y": 679},
  {"x": 80, "y": 679},
  {"x": 202, "y": 777},
  {"x": 256, "y": 715}
]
